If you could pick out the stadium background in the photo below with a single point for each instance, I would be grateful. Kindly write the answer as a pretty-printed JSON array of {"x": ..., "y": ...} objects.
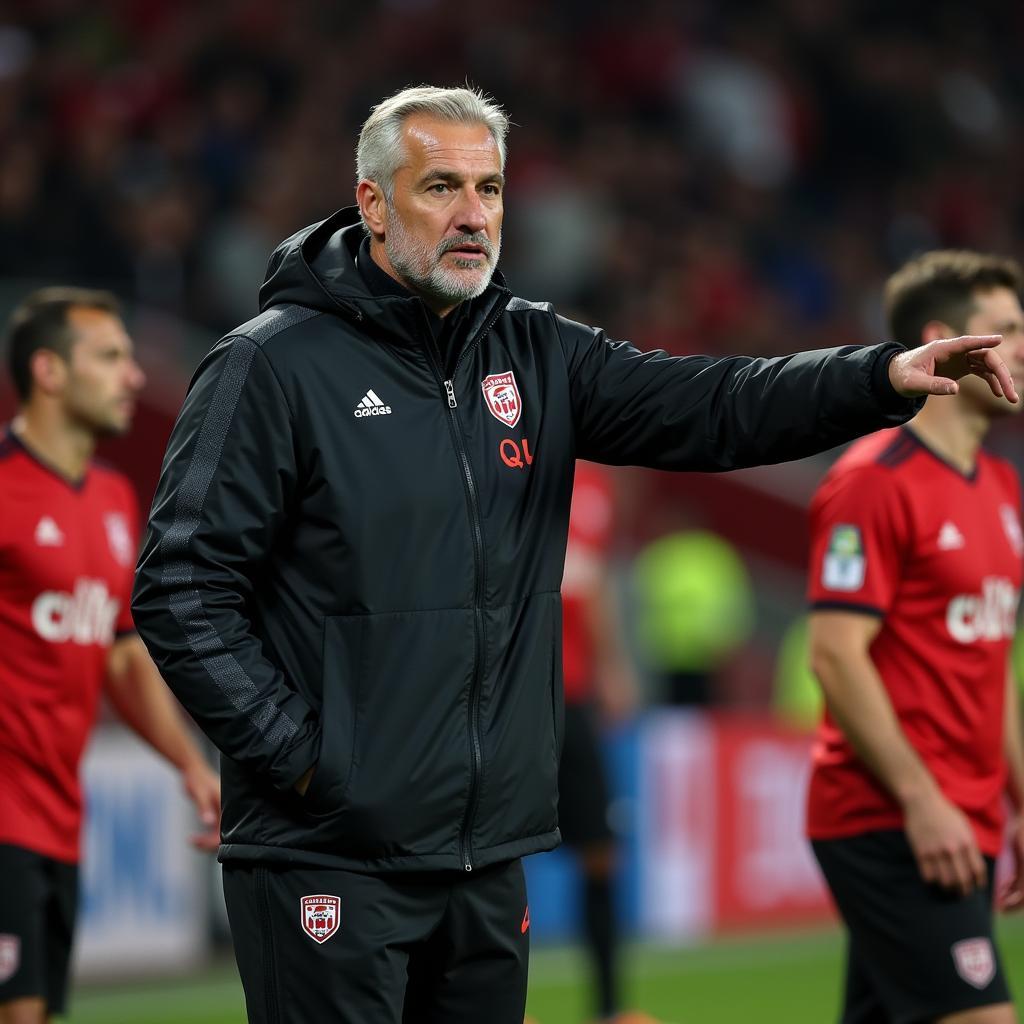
[{"x": 698, "y": 176}]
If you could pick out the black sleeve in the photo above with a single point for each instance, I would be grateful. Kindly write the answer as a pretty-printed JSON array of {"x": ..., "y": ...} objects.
[
  {"x": 703, "y": 413},
  {"x": 225, "y": 484}
]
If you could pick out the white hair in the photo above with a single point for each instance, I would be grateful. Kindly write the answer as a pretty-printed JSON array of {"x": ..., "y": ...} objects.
[{"x": 380, "y": 151}]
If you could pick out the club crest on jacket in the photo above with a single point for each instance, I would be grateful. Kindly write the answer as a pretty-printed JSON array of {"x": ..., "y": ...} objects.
[{"x": 502, "y": 397}]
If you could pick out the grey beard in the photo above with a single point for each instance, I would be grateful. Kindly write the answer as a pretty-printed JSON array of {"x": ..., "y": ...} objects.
[{"x": 421, "y": 268}]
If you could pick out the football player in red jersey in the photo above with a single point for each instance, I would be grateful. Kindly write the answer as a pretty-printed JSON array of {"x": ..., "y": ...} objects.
[
  {"x": 598, "y": 679},
  {"x": 914, "y": 585},
  {"x": 67, "y": 554}
]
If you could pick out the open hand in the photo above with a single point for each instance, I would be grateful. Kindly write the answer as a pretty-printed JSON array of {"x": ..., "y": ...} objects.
[{"x": 917, "y": 371}]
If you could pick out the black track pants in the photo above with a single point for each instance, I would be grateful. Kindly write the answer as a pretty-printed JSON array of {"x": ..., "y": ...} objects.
[{"x": 324, "y": 945}]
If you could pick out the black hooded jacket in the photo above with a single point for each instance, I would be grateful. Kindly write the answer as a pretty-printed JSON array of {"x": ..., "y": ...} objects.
[{"x": 355, "y": 550}]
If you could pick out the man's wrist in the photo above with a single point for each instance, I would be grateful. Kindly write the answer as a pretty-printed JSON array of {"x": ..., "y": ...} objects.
[
  {"x": 192, "y": 760},
  {"x": 917, "y": 792},
  {"x": 883, "y": 381}
]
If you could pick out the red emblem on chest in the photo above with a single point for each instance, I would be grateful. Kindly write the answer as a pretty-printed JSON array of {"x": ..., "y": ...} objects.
[
  {"x": 502, "y": 397},
  {"x": 321, "y": 916}
]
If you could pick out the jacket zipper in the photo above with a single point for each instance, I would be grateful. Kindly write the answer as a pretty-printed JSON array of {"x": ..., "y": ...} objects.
[{"x": 476, "y": 521}]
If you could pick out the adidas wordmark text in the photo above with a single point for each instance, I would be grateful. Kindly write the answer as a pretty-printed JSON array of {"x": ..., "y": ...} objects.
[{"x": 371, "y": 405}]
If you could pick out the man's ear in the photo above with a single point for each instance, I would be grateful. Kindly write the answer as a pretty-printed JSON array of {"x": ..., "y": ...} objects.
[
  {"x": 935, "y": 330},
  {"x": 372, "y": 206},
  {"x": 49, "y": 371}
]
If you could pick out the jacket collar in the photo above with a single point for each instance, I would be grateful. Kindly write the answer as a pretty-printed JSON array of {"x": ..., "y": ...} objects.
[{"x": 317, "y": 268}]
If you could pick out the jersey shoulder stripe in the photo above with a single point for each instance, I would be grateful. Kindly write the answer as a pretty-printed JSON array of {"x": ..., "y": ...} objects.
[
  {"x": 8, "y": 447},
  {"x": 896, "y": 453}
]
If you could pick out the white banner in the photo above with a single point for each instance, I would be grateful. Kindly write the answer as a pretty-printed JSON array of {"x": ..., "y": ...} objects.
[
  {"x": 143, "y": 887},
  {"x": 721, "y": 829},
  {"x": 677, "y": 825}
]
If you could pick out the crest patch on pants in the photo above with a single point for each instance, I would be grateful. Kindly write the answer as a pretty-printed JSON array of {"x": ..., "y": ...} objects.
[
  {"x": 975, "y": 961},
  {"x": 10, "y": 956},
  {"x": 321, "y": 916}
]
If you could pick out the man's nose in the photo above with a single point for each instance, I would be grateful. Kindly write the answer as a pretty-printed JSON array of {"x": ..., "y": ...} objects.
[
  {"x": 136, "y": 376},
  {"x": 1012, "y": 349},
  {"x": 470, "y": 216}
]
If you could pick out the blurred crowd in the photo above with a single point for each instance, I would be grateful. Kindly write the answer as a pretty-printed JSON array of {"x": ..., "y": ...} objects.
[
  {"x": 697, "y": 175},
  {"x": 701, "y": 175}
]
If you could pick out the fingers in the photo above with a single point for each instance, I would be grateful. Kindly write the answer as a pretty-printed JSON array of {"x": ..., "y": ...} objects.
[
  {"x": 940, "y": 868},
  {"x": 203, "y": 788},
  {"x": 972, "y": 354},
  {"x": 928, "y": 865},
  {"x": 955, "y": 873},
  {"x": 1011, "y": 895},
  {"x": 207, "y": 803},
  {"x": 936, "y": 386},
  {"x": 977, "y": 867},
  {"x": 969, "y": 342},
  {"x": 207, "y": 841},
  {"x": 998, "y": 376},
  {"x": 993, "y": 382},
  {"x": 961, "y": 870}
]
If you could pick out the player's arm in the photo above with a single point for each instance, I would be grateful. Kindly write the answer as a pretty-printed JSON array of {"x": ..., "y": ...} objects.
[
  {"x": 938, "y": 832},
  {"x": 1011, "y": 896},
  {"x": 615, "y": 680},
  {"x": 141, "y": 698}
]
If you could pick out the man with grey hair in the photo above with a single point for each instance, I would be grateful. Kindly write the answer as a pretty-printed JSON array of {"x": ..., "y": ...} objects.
[
  {"x": 409, "y": 248},
  {"x": 351, "y": 577}
]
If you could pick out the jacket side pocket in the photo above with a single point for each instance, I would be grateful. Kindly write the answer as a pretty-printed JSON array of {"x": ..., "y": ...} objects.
[{"x": 342, "y": 675}]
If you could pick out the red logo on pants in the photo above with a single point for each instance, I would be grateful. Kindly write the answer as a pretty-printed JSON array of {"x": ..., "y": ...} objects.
[{"x": 321, "y": 916}]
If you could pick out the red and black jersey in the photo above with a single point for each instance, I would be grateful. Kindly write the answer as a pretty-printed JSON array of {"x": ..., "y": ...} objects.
[
  {"x": 67, "y": 551},
  {"x": 898, "y": 532},
  {"x": 590, "y": 533}
]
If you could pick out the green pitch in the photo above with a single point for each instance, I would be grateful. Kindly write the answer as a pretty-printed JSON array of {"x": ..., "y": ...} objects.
[{"x": 780, "y": 979}]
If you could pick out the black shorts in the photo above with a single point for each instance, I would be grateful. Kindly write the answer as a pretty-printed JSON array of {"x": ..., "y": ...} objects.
[
  {"x": 322, "y": 944},
  {"x": 38, "y": 904},
  {"x": 916, "y": 951},
  {"x": 582, "y": 781}
]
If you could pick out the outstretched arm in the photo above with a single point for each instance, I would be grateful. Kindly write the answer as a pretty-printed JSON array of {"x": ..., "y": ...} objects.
[{"x": 713, "y": 414}]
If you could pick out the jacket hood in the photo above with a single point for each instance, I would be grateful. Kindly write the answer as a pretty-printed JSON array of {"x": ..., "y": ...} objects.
[{"x": 316, "y": 268}]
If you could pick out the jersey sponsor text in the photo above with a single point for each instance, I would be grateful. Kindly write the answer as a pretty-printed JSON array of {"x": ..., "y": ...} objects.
[
  {"x": 85, "y": 617},
  {"x": 990, "y": 615}
]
